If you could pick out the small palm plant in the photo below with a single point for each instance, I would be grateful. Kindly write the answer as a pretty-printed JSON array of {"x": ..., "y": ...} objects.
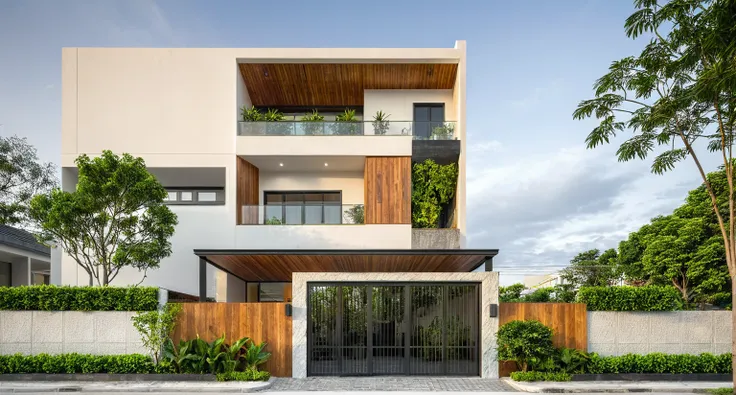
[
  {"x": 347, "y": 123},
  {"x": 380, "y": 122},
  {"x": 314, "y": 123}
]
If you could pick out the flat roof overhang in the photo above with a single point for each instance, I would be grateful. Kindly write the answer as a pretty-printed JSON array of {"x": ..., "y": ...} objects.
[{"x": 278, "y": 265}]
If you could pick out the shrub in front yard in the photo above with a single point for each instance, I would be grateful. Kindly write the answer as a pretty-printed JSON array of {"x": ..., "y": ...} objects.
[
  {"x": 625, "y": 298},
  {"x": 528, "y": 343},
  {"x": 248, "y": 375},
  {"x": 75, "y": 363},
  {"x": 540, "y": 376},
  {"x": 660, "y": 363},
  {"x": 53, "y": 298}
]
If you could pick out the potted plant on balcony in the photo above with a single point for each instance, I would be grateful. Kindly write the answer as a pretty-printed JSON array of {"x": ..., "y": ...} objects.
[
  {"x": 279, "y": 127},
  {"x": 249, "y": 115},
  {"x": 313, "y": 123},
  {"x": 347, "y": 124},
  {"x": 380, "y": 123},
  {"x": 444, "y": 132}
]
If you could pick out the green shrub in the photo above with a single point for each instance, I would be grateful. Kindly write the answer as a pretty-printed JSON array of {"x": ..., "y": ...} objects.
[
  {"x": 199, "y": 356},
  {"x": 625, "y": 298},
  {"x": 248, "y": 375},
  {"x": 721, "y": 391},
  {"x": 540, "y": 376},
  {"x": 660, "y": 363},
  {"x": 528, "y": 343},
  {"x": 76, "y": 363},
  {"x": 53, "y": 298},
  {"x": 570, "y": 360},
  {"x": 156, "y": 326}
]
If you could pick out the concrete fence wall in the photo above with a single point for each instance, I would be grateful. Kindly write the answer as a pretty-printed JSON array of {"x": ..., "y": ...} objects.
[
  {"x": 675, "y": 332},
  {"x": 57, "y": 332}
]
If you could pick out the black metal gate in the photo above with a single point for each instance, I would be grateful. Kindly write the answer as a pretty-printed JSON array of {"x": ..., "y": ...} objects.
[{"x": 393, "y": 329}]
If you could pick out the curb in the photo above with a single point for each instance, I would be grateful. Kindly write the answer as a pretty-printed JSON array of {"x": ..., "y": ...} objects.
[
  {"x": 131, "y": 386},
  {"x": 539, "y": 387}
]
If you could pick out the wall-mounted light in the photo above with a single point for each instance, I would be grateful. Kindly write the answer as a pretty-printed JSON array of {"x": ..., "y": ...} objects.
[
  {"x": 325, "y": 164},
  {"x": 281, "y": 164},
  {"x": 288, "y": 310},
  {"x": 494, "y": 310}
]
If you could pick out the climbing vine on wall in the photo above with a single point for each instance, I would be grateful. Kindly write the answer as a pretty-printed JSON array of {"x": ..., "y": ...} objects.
[{"x": 433, "y": 186}]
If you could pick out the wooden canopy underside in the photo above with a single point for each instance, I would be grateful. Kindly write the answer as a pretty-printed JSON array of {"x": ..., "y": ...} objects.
[
  {"x": 337, "y": 85},
  {"x": 279, "y": 266}
]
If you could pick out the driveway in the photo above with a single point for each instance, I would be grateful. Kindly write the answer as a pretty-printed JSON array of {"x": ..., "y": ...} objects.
[{"x": 391, "y": 383}]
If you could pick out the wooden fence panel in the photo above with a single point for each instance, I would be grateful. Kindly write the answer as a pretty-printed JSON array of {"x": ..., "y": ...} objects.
[
  {"x": 259, "y": 321},
  {"x": 569, "y": 323}
]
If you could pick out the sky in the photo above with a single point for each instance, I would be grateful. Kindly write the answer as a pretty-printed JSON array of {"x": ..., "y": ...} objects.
[{"x": 534, "y": 191}]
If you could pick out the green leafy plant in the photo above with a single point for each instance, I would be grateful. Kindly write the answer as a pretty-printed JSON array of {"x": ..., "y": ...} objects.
[
  {"x": 660, "y": 363},
  {"x": 444, "y": 132},
  {"x": 251, "y": 114},
  {"x": 179, "y": 358},
  {"x": 346, "y": 123},
  {"x": 277, "y": 125},
  {"x": 199, "y": 356},
  {"x": 76, "y": 363},
  {"x": 540, "y": 376},
  {"x": 248, "y": 375},
  {"x": 273, "y": 221},
  {"x": 380, "y": 122},
  {"x": 433, "y": 186},
  {"x": 528, "y": 343},
  {"x": 721, "y": 391},
  {"x": 255, "y": 355},
  {"x": 356, "y": 214},
  {"x": 156, "y": 326},
  {"x": 570, "y": 360},
  {"x": 54, "y": 298},
  {"x": 273, "y": 115},
  {"x": 314, "y": 123},
  {"x": 625, "y": 298}
]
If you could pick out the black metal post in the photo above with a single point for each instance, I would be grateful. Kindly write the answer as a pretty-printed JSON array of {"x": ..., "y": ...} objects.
[
  {"x": 445, "y": 299},
  {"x": 369, "y": 326},
  {"x": 489, "y": 263},
  {"x": 407, "y": 329},
  {"x": 202, "y": 280}
]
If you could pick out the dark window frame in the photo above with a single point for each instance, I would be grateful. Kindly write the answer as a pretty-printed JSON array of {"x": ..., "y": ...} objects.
[
  {"x": 219, "y": 191},
  {"x": 429, "y": 122},
  {"x": 303, "y": 204}
]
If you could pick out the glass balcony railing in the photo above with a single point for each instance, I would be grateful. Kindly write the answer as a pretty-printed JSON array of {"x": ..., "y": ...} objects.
[
  {"x": 302, "y": 214},
  {"x": 418, "y": 130}
]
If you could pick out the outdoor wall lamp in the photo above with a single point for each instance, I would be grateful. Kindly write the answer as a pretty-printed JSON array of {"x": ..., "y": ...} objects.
[
  {"x": 494, "y": 310},
  {"x": 288, "y": 309}
]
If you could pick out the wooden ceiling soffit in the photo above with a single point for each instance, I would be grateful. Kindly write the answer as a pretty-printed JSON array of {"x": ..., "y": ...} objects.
[{"x": 335, "y": 85}]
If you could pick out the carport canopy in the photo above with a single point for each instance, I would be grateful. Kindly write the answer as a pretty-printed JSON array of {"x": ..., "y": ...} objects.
[{"x": 278, "y": 265}]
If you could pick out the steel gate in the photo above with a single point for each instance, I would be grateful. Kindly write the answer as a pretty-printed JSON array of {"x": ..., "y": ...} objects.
[{"x": 393, "y": 329}]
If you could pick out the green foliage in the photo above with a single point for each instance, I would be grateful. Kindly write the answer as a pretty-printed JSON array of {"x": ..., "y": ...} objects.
[
  {"x": 314, "y": 123},
  {"x": 273, "y": 115},
  {"x": 251, "y": 114},
  {"x": 540, "y": 295},
  {"x": 248, "y": 375},
  {"x": 276, "y": 125},
  {"x": 198, "y": 356},
  {"x": 380, "y": 122},
  {"x": 356, "y": 214},
  {"x": 528, "y": 343},
  {"x": 156, "y": 326},
  {"x": 511, "y": 293},
  {"x": 115, "y": 218},
  {"x": 346, "y": 124},
  {"x": 540, "y": 376},
  {"x": 273, "y": 221},
  {"x": 433, "y": 186},
  {"x": 591, "y": 269},
  {"x": 721, "y": 391},
  {"x": 570, "y": 360},
  {"x": 255, "y": 355},
  {"x": 76, "y": 363},
  {"x": 53, "y": 298},
  {"x": 660, "y": 363},
  {"x": 313, "y": 116},
  {"x": 22, "y": 176},
  {"x": 444, "y": 132},
  {"x": 625, "y": 298}
]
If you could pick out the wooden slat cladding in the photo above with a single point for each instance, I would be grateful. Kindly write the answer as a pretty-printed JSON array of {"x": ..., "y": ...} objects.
[
  {"x": 330, "y": 84},
  {"x": 259, "y": 321},
  {"x": 569, "y": 323},
  {"x": 280, "y": 267},
  {"x": 247, "y": 192},
  {"x": 387, "y": 190}
]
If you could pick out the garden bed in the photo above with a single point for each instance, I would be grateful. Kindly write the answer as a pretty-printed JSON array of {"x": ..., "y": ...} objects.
[
  {"x": 106, "y": 377},
  {"x": 728, "y": 377}
]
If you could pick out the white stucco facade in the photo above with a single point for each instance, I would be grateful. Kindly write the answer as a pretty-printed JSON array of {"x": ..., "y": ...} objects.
[{"x": 178, "y": 108}]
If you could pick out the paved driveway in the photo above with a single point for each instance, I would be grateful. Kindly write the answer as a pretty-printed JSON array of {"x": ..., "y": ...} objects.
[{"x": 392, "y": 383}]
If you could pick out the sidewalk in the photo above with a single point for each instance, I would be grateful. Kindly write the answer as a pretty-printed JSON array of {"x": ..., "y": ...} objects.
[
  {"x": 616, "y": 386},
  {"x": 132, "y": 386}
]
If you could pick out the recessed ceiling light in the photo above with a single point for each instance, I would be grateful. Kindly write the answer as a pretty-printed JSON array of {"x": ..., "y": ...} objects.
[
  {"x": 325, "y": 163},
  {"x": 281, "y": 164}
]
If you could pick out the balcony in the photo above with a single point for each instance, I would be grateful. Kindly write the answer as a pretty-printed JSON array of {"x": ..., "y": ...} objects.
[
  {"x": 303, "y": 214},
  {"x": 417, "y": 130}
]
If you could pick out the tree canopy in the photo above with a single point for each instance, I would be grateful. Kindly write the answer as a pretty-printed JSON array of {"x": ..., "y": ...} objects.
[
  {"x": 116, "y": 218},
  {"x": 22, "y": 176}
]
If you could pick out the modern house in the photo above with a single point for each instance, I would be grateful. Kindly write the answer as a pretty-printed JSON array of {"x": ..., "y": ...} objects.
[
  {"x": 286, "y": 208},
  {"x": 23, "y": 260}
]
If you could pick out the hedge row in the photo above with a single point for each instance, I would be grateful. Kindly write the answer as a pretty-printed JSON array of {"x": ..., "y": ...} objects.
[
  {"x": 76, "y": 363},
  {"x": 540, "y": 376},
  {"x": 660, "y": 363},
  {"x": 53, "y": 298},
  {"x": 625, "y": 298}
]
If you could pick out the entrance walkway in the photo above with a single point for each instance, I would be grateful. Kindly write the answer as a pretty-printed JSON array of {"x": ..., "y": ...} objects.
[{"x": 389, "y": 383}]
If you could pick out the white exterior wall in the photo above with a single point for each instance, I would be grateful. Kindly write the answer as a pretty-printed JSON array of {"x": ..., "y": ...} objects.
[
  {"x": 351, "y": 184},
  {"x": 399, "y": 104},
  {"x": 179, "y": 108}
]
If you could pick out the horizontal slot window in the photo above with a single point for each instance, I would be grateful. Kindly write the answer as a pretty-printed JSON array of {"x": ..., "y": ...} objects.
[{"x": 195, "y": 196}]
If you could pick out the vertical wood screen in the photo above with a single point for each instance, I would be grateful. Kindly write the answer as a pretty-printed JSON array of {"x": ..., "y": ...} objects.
[
  {"x": 387, "y": 190},
  {"x": 259, "y": 321},
  {"x": 569, "y": 322},
  {"x": 247, "y": 192}
]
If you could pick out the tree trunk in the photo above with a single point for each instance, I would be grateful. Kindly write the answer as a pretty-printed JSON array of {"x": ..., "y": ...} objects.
[{"x": 733, "y": 329}]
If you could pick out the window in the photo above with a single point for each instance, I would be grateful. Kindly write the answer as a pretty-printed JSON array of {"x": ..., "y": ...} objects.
[
  {"x": 273, "y": 292},
  {"x": 427, "y": 116},
  {"x": 303, "y": 208},
  {"x": 195, "y": 196}
]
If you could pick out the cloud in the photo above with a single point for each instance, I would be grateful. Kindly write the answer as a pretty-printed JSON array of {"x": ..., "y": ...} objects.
[
  {"x": 536, "y": 96},
  {"x": 486, "y": 146}
]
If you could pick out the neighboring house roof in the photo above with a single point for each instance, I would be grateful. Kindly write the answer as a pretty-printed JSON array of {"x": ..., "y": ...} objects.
[{"x": 19, "y": 238}]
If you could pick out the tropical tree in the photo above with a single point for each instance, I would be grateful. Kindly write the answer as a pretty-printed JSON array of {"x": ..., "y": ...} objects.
[
  {"x": 591, "y": 269},
  {"x": 116, "y": 218},
  {"x": 22, "y": 175},
  {"x": 676, "y": 97}
]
